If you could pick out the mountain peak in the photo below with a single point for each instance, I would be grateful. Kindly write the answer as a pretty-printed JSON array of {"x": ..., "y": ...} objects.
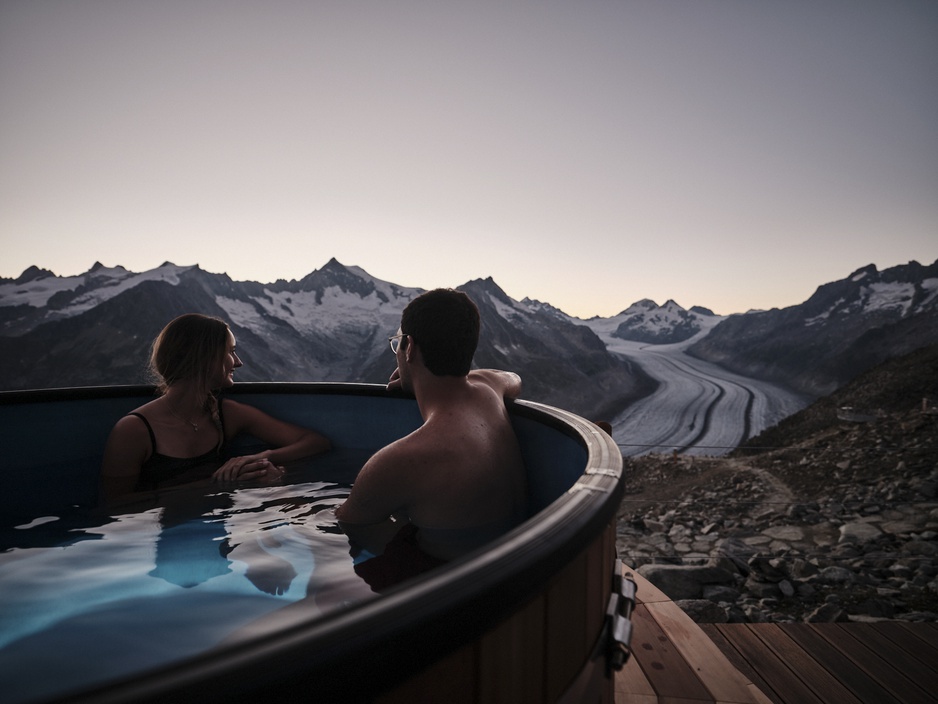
[
  {"x": 336, "y": 274},
  {"x": 646, "y": 304},
  {"x": 31, "y": 274},
  {"x": 486, "y": 286},
  {"x": 863, "y": 272}
]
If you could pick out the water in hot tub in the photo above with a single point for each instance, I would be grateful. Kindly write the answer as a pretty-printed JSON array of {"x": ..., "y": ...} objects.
[{"x": 85, "y": 598}]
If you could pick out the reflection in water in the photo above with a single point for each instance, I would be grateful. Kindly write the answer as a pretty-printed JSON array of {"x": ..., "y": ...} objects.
[
  {"x": 98, "y": 597},
  {"x": 193, "y": 546}
]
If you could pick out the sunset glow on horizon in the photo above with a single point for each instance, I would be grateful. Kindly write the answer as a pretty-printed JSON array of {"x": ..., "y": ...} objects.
[{"x": 720, "y": 153}]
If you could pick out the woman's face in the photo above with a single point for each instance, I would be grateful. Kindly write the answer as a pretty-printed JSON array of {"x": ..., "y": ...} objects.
[{"x": 230, "y": 362}]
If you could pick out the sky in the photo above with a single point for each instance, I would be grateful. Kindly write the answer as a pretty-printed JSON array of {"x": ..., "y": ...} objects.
[{"x": 732, "y": 154}]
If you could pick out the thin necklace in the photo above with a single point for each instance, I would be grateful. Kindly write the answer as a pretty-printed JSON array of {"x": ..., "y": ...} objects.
[{"x": 195, "y": 427}]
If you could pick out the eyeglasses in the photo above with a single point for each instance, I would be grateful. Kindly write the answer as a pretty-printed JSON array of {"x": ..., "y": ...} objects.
[{"x": 395, "y": 341}]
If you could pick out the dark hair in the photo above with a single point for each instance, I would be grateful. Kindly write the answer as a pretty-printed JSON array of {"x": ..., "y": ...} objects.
[
  {"x": 191, "y": 347},
  {"x": 445, "y": 323}
]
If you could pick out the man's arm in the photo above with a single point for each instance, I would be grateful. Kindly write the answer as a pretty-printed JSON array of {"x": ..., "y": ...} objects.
[
  {"x": 375, "y": 508},
  {"x": 506, "y": 384}
]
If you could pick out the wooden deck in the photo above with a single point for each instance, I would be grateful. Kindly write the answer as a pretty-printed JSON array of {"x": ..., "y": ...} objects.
[
  {"x": 677, "y": 661},
  {"x": 674, "y": 661},
  {"x": 887, "y": 661}
]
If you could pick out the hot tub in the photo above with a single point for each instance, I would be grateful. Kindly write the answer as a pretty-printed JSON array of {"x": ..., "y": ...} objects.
[{"x": 526, "y": 618}]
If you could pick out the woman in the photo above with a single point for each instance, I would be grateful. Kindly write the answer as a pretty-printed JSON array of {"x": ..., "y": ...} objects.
[{"x": 180, "y": 437}]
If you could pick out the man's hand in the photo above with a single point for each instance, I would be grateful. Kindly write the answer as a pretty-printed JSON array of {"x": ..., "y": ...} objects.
[{"x": 394, "y": 383}]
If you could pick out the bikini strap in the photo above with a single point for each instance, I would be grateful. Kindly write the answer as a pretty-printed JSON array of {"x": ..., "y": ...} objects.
[{"x": 149, "y": 430}]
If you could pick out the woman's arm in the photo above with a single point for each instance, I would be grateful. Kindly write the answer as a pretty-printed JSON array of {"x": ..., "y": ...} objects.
[
  {"x": 124, "y": 454},
  {"x": 287, "y": 441}
]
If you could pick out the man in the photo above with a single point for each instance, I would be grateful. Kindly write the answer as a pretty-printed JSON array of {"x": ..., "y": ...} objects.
[{"x": 457, "y": 481}]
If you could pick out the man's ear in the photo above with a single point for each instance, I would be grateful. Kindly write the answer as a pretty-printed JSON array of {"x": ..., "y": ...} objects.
[{"x": 410, "y": 350}]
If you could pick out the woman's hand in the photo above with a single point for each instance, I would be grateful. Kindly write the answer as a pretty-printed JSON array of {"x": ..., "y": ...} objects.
[{"x": 249, "y": 467}]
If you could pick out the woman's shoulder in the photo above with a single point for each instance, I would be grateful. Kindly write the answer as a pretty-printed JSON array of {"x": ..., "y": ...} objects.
[
  {"x": 131, "y": 430},
  {"x": 138, "y": 421}
]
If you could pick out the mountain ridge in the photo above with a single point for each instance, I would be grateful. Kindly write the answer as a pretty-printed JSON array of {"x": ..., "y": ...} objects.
[
  {"x": 844, "y": 328},
  {"x": 332, "y": 324}
]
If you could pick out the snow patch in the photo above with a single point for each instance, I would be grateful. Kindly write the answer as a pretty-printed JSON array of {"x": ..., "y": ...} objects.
[
  {"x": 894, "y": 296},
  {"x": 509, "y": 313},
  {"x": 931, "y": 287},
  {"x": 242, "y": 314},
  {"x": 38, "y": 292},
  {"x": 335, "y": 312},
  {"x": 825, "y": 315}
]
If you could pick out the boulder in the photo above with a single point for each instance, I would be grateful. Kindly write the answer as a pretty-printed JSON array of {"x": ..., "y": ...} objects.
[
  {"x": 684, "y": 581},
  {"x": 858, "y": 532}
]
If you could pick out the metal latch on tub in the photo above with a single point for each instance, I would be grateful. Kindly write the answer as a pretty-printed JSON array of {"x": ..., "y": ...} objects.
[{"x": 619, "y": 617}]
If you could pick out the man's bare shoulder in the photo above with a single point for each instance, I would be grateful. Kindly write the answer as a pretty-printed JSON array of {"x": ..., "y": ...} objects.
[
  {"x": 507, "y": 385},
  {"x": 407, "y": 455}
]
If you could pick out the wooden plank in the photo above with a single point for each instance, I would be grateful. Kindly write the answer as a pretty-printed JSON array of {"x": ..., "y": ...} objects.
[
  {"x": 882, "y": 661},
  {"x": 631, "y": 685},
  {"x": 854, "y": 678},
  {"x": 600, "y": 560},
  {"x": 921, "y": 673},
  {"x": 568, "y": 644},
  {"x": 783, "y": 685},
  {"x": 758, "y": 695},
  {"x": 512, "y": 656},
  {"x": 450, "y": 679},
  {"x": 722, "y": 680},
  {"x": 912, "y": 638},
  {"x": 715, "y": 632},
  {"x": 606, "y": 557},
  {"x": 820, "y": 681},
  {"x": 662, "y": 663},
  {"x": 646, "y": 592}
]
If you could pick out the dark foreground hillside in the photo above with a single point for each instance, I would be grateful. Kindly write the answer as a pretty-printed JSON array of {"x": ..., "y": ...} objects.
[{"x": 831, "y": 515}]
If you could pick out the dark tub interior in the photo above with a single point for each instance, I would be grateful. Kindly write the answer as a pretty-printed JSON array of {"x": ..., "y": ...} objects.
[{"x": 52, "y": 440}]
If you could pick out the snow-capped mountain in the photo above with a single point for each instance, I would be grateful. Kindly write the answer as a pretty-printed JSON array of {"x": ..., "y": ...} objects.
[
  {"x": 845, "y": 328},
  {"x": 332, "y": 325},
  {"x": 646, "y": 321}
]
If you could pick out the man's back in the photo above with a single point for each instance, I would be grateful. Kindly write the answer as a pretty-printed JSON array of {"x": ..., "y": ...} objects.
[
  {"x": 459, "y": 478},
  {"x": 464, "y": 470}
]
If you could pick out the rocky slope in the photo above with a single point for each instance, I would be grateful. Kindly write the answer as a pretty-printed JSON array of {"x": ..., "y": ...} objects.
[
  {"x": 819, "y": 519},
  {"x": 843, "y": 329}
]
